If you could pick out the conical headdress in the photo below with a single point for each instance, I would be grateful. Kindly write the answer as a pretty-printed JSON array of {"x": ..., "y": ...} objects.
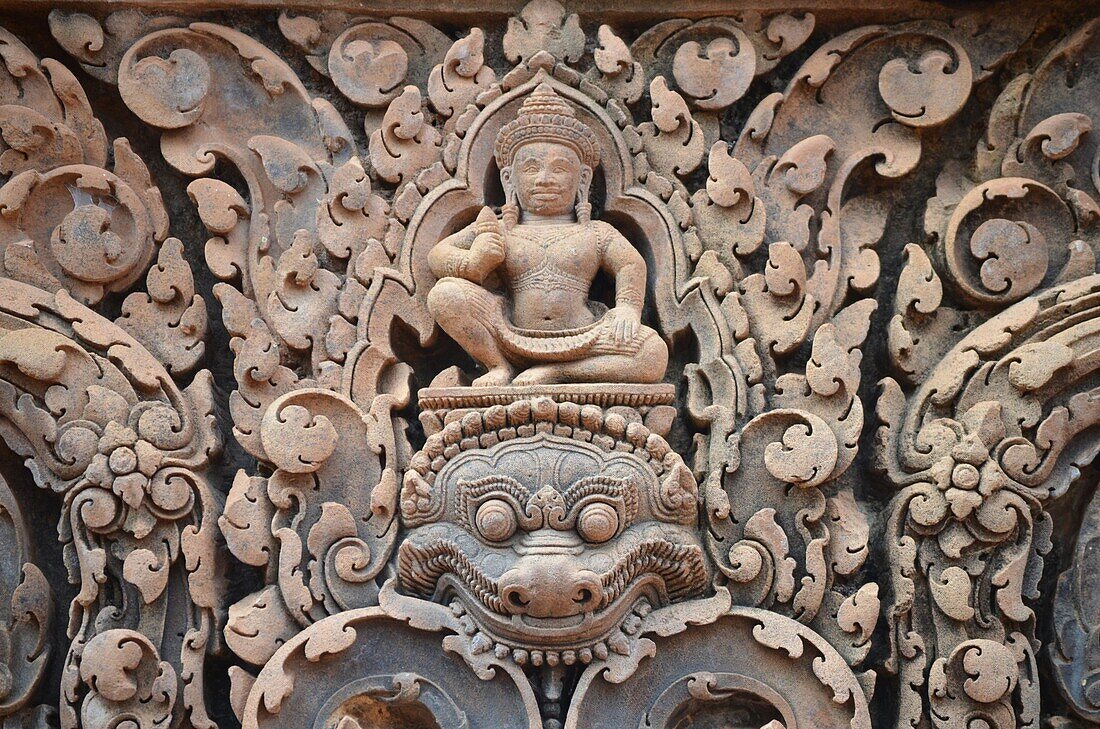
[{"x": 546, "y": 117}]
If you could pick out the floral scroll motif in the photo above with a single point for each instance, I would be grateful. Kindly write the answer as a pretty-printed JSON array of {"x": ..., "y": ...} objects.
[
  {"x": 105, "y": 415},
  {"x": 625, "y": 468},
  {"x": 997, "y": 432}
]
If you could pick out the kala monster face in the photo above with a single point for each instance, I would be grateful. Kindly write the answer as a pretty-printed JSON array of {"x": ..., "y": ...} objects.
[{"x": 556, "y": 538}]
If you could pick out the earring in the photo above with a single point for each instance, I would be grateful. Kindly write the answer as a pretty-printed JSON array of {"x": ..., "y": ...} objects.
[
  {"x": 584, "y": 208},
  {"x": 509, "y": 211},
  {"x": 584, "y": 212}
]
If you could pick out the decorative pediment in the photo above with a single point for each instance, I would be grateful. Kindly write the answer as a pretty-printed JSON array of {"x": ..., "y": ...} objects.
[{"x": 569, "y": 367}]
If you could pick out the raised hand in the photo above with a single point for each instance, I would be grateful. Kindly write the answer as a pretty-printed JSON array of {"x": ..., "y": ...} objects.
[{"x": 487, "y": 250}]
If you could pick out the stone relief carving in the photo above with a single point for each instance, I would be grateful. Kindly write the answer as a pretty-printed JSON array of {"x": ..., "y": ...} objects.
[
  {"x": 544, "y": 388},
  {"x": 547, "y": 251}
]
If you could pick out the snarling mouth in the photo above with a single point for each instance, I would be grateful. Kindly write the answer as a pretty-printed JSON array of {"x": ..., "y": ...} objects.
[
  {"x": 618, "y": 638},
  {"x": 652, "y": 574}
]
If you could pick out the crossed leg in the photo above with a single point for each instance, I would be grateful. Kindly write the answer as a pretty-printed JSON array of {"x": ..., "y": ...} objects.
[
  {"x": 463, "y": 309},
  {"x": 645, "y": 366},
  {"x": 471, "y": 316}
]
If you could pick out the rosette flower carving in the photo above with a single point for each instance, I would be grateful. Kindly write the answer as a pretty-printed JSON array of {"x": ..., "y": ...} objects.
[
  {"x": 129, "y": 466},
  {"x": 993, "y": 436},
  {"x": 532, "y": 545},
  {"x": 102, "y": 423},
  {"x": 968, "y": 504}
]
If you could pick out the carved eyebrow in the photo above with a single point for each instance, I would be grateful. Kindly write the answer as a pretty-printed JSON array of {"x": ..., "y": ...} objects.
[
  {"x": 466, "y": 491},
  {"x": 622, "y": 488},
  {"x": 494, "y": 482}
]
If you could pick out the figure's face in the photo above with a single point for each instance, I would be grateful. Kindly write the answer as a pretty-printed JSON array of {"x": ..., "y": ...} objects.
[
  {"x": 546, "y": 176},
  {"x": 551, "y": 544}
]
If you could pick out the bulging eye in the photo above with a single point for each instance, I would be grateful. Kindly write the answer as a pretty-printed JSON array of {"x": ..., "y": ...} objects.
[
  {"x": 597, "y": 522},
  {"x": 495, "y": 520}
]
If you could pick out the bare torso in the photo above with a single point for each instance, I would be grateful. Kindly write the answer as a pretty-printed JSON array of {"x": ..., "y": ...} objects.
[
  {"x": 546, "y": 270},
  {"x": 549, "y": 269}
]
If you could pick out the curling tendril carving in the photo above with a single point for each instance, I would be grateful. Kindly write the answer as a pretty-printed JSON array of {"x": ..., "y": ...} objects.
[{"x": 548, "y": 368}]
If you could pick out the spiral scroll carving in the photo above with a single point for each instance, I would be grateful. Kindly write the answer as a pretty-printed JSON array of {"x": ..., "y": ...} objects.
[{"x": 549, "y": 365}]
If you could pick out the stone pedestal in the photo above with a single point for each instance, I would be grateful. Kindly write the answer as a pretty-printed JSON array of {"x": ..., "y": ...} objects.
[{"x": 648, "y": 404}]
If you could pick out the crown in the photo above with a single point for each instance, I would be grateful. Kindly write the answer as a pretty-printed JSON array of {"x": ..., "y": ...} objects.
[{"x": 546, "y": 117}]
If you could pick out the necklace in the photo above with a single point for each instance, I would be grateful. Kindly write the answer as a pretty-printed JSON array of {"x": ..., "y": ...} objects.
[{"x": 556, "y": 233}]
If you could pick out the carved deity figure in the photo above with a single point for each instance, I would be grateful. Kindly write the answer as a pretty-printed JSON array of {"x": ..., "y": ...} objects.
[{"x": 514, "y": 291}]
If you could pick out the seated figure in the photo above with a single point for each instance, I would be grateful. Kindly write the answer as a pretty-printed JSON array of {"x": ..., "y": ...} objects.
[{"x": 514, "y": 291}]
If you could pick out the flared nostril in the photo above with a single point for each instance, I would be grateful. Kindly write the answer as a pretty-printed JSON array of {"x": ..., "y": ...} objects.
[
  {"x": 549, "y": 589},
  {"x": 585, "y": 593},
  {"x": 517, "y": 598}
]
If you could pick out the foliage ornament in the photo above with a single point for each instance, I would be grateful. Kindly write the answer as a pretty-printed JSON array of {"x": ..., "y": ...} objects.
[{"x": 543, "y": 387}]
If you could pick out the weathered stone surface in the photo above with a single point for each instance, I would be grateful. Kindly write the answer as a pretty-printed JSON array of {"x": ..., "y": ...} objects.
[{"x": 566, "y": 366}]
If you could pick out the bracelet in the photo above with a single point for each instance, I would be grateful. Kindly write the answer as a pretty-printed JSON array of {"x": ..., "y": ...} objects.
[{"x": 629, "y": 296}]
